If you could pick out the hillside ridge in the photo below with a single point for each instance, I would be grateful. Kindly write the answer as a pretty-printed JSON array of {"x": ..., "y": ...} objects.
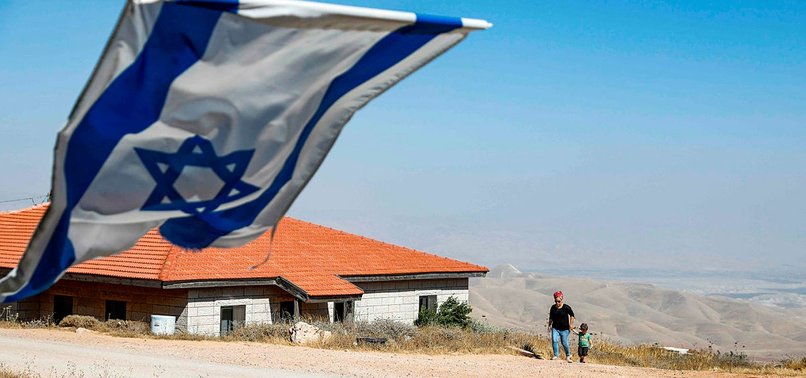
[{"x": 634, "y": 313}]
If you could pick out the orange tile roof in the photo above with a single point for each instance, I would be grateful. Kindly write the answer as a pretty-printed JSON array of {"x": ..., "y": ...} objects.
[{"x": 310, "y": 256}]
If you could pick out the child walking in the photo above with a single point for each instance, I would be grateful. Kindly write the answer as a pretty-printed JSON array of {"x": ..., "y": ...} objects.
[{"x": 584, "y": 342}]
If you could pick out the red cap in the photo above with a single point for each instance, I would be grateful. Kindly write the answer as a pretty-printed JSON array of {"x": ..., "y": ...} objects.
[{"x": 558, "y": 294}]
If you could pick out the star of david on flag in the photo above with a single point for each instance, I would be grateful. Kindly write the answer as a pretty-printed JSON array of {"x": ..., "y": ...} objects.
[
  {"x": 206, "y": 118},
  {"x": 166, "y": 168}
]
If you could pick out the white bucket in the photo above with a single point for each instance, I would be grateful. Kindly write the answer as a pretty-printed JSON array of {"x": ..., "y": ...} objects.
[{"x": 163, "y": 325}]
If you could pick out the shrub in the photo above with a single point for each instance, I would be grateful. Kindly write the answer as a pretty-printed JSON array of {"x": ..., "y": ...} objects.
[
  {"x": 731, "y": 359},
  {"x": 454, "y": 313},
  {"x": 386, "y": 328},
  {"x": 450, "y": 313},
  {"x": 426, "y": 317},
  {"x": 480, "y": 326},
  {"x": 8, "y": 315},
  {"x": 794, "y": 363},
  {"x": 80, "y": 321},
  {"x": 7, "y": 372},
  {"x": 261, "y": 332},
  {"x": 126, "y": 327},
  {"x": 43, "y": 322},
  {"x": 381, "y": 328}
]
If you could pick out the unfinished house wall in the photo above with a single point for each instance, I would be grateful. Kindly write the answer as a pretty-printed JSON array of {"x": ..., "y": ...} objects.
[
  {"x": 315, "y": 311},
  {"x": 25, "y": 310},
  {"x": 204, "y": 308},
  {"x": 89, "y": 298},
  {"x": 399, "y": 300},
  {"x": 200, "y": 310}
]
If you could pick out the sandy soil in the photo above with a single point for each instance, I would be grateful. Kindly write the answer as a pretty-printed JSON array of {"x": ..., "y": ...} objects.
[{"x": 63, "y": 353}]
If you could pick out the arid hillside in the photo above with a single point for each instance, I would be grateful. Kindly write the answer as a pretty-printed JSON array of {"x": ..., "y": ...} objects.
[{"x": 641, "y": 314}]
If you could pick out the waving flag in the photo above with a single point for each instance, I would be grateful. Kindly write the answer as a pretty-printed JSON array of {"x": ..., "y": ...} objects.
[{"x": 207, "y": 118}]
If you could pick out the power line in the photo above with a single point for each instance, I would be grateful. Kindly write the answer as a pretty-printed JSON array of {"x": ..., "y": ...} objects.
[{"x": 33, "y": 199}]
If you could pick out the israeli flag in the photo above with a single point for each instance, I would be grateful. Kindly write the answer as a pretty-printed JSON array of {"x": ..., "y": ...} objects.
[{"x": 206, "y": 119}]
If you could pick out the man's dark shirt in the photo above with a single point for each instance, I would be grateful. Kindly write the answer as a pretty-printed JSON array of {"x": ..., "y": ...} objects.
[{"x": 559, "y": 317}]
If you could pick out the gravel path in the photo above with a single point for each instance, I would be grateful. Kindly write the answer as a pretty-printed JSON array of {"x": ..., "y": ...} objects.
[{"x": 61, "y": 353}]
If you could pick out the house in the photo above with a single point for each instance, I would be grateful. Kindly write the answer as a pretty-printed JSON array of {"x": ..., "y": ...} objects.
[{"x": 313, "y": 271}]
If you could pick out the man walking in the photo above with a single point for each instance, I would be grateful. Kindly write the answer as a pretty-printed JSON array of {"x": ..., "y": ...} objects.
[{"x": 561, "y": 322}]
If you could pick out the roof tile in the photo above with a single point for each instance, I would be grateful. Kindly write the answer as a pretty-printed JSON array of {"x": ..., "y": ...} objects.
[{"x": 310, "y": 256}]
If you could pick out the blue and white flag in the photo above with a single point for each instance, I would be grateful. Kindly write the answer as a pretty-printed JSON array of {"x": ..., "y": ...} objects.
[{"x": 206, "y": 119}]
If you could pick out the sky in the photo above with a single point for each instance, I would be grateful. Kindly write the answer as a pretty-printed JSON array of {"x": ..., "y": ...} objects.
[{"x": 595, "y": 134}]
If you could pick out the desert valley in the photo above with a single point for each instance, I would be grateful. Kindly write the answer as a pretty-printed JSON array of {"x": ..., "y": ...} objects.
[{"x": 634, "y": 313}]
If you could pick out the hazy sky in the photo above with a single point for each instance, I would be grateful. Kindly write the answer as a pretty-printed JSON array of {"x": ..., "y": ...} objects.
[{"x": 572, "y": 133}]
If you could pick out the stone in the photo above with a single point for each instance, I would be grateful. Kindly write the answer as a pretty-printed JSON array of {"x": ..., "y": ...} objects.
[
  {"x": 304, "y": 333},
  {"x": 84, "y": 330}
]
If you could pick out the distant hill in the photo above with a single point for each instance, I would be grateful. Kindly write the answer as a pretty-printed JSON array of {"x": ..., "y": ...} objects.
[{"x": 640, "y": 314}]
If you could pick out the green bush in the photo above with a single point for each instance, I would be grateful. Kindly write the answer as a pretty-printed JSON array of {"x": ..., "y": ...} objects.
[
  {"x": 454, "y": 313},
  {"x": 425, "y": 318},
  {"x": 450, "y": 313}
]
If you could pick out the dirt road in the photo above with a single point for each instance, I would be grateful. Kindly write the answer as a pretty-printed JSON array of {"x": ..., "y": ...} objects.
[{"x": 62, "y": 353}]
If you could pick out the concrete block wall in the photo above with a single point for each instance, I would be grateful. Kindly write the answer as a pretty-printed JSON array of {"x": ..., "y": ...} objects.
[
  {"x": 203, "y": 315},
  {"x": 399, "y": 300}
]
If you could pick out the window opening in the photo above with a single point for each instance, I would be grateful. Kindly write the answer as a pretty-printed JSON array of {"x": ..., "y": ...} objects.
[
  {"x": 232, "y": 317},
  {"x": 428, "y": 302},
  {"x": 115, "y": 310},
  {"x": 338, "y": 312},
  {"x": 343, "y": 311},
  {"x": 62, "y": 307},
  {"x": 287, "y": 311}
]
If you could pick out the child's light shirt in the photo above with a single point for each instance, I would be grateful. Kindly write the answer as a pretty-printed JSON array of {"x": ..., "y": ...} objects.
[{"x": 585, "y": 339}]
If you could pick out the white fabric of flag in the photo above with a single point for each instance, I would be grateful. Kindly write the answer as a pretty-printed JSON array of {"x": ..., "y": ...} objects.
[{"x": 207, "y": 118}]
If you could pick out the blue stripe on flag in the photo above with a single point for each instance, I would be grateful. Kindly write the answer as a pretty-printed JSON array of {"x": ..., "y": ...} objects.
[
  {"x": 200, "y": 231},
  {"x": 431, "y": 24},
  {"x": 219, "y": 5},
  {"x": 131, "y": 103}
]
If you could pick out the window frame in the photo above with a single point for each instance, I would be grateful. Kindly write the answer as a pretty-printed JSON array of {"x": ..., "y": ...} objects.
[
  {"x": 430, "y": 302},
  {"x": 237, "y": 319}
]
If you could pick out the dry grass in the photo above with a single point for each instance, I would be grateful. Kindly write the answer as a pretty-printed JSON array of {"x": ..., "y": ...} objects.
[
  {"x": 12, "y": 374},
  {"x": 276, "y": 333},
  {"x": 476, "y": 339},
  {"x": 80, "y": 321},
  {"x": 446, "y": 340},
  {"x": 6, "y": 372},
  {"x": 792, "y": 363},
  {"x": 123, "y": 328},
  {"x": 653, "y": 356}
]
